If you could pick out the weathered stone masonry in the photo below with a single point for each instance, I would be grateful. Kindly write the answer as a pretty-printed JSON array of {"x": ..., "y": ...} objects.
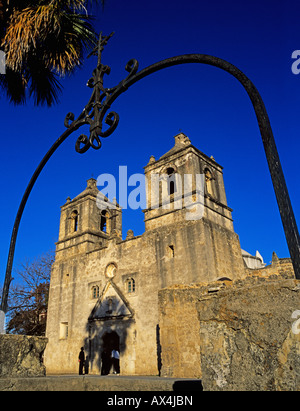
[
  {"x": 104, "y": 289},
  {"x": 234, "y": 335},
  {"x": 177, "y": 300}
]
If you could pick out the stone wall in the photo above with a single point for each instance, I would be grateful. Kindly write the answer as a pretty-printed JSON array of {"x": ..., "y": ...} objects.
[
  {"x": 148, "y": 260},
  {"x": 21, "y": 356},
  {"x": 179, "y": 331},
  {"x": 245, "y": 336}
]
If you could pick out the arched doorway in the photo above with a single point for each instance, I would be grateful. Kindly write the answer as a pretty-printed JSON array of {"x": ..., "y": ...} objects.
[{"x": 110, "y": 342}]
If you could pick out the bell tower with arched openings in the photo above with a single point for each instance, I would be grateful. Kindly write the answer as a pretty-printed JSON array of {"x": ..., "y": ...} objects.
[
  {"x": 85, "y": 222},
  {"x": 185, "y": 184}
]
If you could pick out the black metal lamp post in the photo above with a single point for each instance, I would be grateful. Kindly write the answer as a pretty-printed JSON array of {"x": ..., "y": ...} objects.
[{"x": 94, "y": 114}]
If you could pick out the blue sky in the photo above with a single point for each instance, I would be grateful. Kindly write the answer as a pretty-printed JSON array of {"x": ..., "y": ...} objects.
[{"x": 207, "y": 104}]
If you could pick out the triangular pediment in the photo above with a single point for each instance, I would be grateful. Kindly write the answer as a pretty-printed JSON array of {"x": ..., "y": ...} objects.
[{"x": 111, "y": 304}]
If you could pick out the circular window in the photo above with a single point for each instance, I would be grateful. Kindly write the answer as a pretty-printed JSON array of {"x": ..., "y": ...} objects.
[{"x": 111, "y": 270}]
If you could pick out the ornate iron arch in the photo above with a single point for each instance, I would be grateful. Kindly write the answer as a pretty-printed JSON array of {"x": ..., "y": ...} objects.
[{"x": 96, "y": 112}]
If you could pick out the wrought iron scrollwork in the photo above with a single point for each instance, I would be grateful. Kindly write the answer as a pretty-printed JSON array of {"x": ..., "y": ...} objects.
[
  {"x": 132, "y": 67},
  {"x": 69, "y": 117},
  {"x": 94, "y": 113}
]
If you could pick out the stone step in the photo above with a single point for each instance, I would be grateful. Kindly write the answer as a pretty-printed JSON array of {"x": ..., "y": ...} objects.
[{"x": 99, "y": 383}]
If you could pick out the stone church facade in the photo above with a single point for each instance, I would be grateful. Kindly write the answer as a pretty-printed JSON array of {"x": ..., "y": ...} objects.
[{"x": 104, "y": 289}]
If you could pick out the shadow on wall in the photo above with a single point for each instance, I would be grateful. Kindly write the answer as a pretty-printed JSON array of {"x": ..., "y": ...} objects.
[
  {"x": 111, "y": 326},
  {"x": 103, "y": 337},
  {"x": 158, "y": 350},
  {"x": 108, "y": 335}
]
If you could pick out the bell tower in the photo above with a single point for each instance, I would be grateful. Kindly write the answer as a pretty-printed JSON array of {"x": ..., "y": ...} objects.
[
  {"x": 187, "y": 213},
  {"x": 185, "y": 184},
  {"x": 85, "y": 223}
]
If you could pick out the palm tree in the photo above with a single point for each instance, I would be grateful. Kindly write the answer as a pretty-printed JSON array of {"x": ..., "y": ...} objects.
[{"x": 43, "y": 40}]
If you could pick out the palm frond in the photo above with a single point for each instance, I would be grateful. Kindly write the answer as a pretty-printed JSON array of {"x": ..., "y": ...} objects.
[
  {"x": 44, "y": 85},
  {"x": 14, "y": 85},
  {"x": 59, "y": 32},
  {"x": 19, "y": 38}
]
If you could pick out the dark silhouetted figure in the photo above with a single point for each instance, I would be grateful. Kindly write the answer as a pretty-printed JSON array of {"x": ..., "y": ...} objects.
[
  {"x": 86, "y": 365},
  {"x": 106, "y": 362},
  {"x": 81, "y": 359}
]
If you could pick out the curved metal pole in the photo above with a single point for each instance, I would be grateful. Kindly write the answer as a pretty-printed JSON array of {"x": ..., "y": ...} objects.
[
  {"x": 26, "y": 194},
  {"x": 94, "y": 114}
]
